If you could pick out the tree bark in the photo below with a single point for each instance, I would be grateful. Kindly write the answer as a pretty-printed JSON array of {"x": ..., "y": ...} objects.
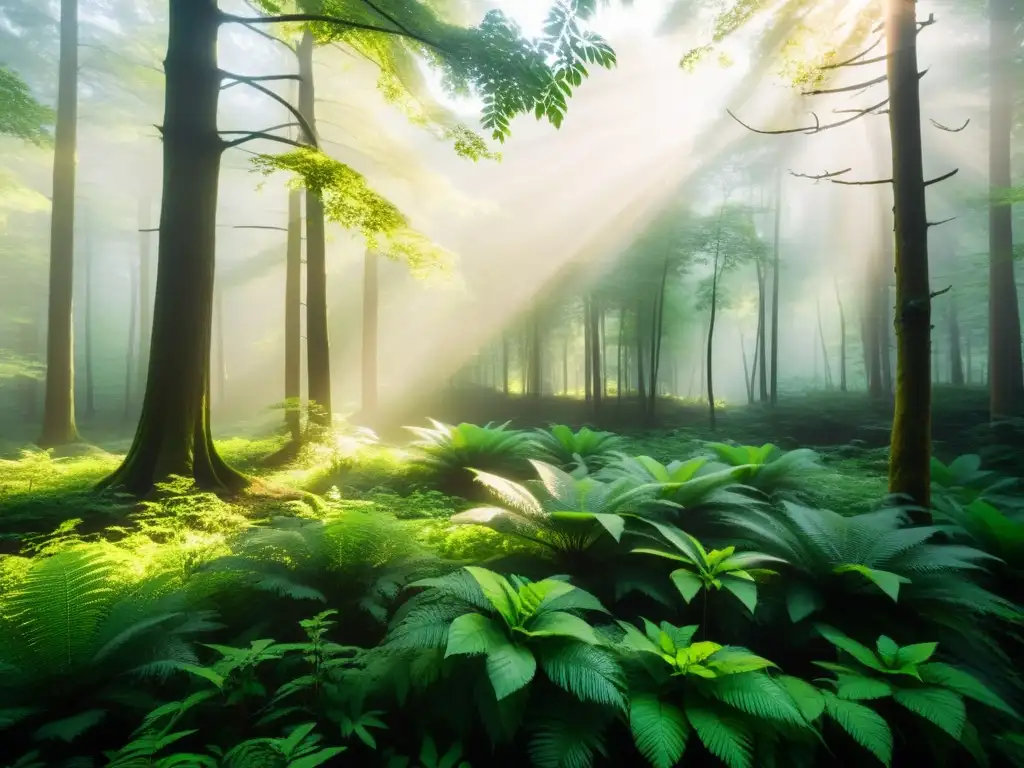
[
  {"x": 842, "y": 336},
  {"x": 1006, "y": 380},
  {"x": 133, "y": 342},
  {"x": 956, "y": 363},
  {"x": 761, "y": 354},
  {"x": 827, "y": 366},
  {"x": 534, "y": 385},
  {"x": 371, "y": 291},
  {"x": 910, "y": 449},
  {"x": 748, "y": 375},
  {"x": 222, "y": 363},
  {"x": 293, "y": 318},
  {"x": 59, "y": 404},
  {"x": 504, "y": 362},
  {"x": 595, "y": 353},
  {"x": 90, "y": 383},
  {"x": 145, "y": 291},
  {"x": 775, "y": 288},
  {"x": 657, "y": 331},
  {"x": 173, "y": 435},
  {"x": 318, "y": 344}
]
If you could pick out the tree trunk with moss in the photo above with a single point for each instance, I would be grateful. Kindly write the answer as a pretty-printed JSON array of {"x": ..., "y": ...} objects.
[
  {"x": 293, "y": 317},
  {"x": 1006, "y": 380},
  {"x": 318, "y": 344},
  {"x": 59, "y": 404},
  {"x": 145, "y": 290},
  {"x": 173, "y": 436},
  {"x": 910, "y": 448}
]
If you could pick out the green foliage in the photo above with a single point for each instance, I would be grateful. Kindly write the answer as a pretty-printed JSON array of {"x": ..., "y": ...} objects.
[
  {"x": 22, "y": 116},
  {"x": 767, "y": 468},
  {"x": 587, "y": 447},
  {"x": 690, "y": 484},
  {"x": 453, "y": 450}
]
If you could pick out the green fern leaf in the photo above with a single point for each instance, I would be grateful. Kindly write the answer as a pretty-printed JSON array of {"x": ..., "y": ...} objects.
[
  {"x": 808, "y": 699},
  {"x": 510, "y": 667},
  {"x": 725, "y": 738},
  {"x": 561, "y": 624},
  {"x": 965, "y": 684},
  {"x": 863, "y": 724},
  {"x": 566, "y": 742},
  {"x": 755, "y": 693},
  {"x": 472, "y": 634},
  {"x": 660, "y": 730},
  {"x": 859, "y": 688},
  {"x": 589, "y": 673},
  {"x": 70, "y": 728},
  {"x": 940, "y": 706}
]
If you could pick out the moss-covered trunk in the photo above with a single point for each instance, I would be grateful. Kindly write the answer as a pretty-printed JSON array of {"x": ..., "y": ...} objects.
[
  {"x": 173, "y": 435},
  {"x": 318, "y": 344},
  {"x": 59, "y": 403},
  {"x": 1006, "y": 380},
  {"x": 293, "y": 317},
  {"x": 910, "y": 449},
  {"x": 146, "y": 239}
]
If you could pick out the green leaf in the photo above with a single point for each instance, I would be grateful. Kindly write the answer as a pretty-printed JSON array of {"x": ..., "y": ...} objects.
[
  {"x": 588, "y": 672},
  {"x": 940, "y": 706},
  {"x": 204, "y": 672},
  {"x": 965, "y": 684},
  {"x": 635, "y": 640},
  {"x": 861, "y": 653},
  {"x": 614, "y": 524},
  {"x": 802, "y": 601},
  {"x": 497, "y": 591},
  {"x": 887, "y": 650},
  {"x": 319, "y": 757},
  {"x": 744, "y": 591},
  {"x": 912, "y": 655},
  {"x": 756, "y": 694},
  {"x": 70, "y": 728},
  {"x": 510, "y": 667},
  {"x": 732, "y": 660},
  {"x": 560, "y": 624},
  {"x": 724, "y": 738},
  {"x": 472, "y": 634},
  {"x": 888, "y": 582},
  {"x": 660, "y": 730},
  {"x": 863, "y": 724},
  {"x": 808, "y": 699},
  {"x": 860, "y": 688},
  {"x": 687, "y": 582}
]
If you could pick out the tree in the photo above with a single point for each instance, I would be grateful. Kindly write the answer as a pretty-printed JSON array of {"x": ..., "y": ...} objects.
[
  {"x": 21, "y": 115},
  {"x": 59, "y": 405},
  {"x": 514, "y": 76}
]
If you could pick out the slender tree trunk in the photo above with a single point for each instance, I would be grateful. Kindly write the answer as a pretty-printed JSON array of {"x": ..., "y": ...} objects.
[
  {"x": 641, "y": 384},
  {"x": 604, "y": 354},
  {"x": 535, "y": 383},
  {"x": 620, "y": 363},
  {"x": 588, "y": 368},
  {"x": 173, "y": 436},
  {"x": 753, "y": 370},
  {"x": 969, "y": 361},
  {"x": 293, "y": 318},
  {"x": 504, "y": 362},
  {"x": 824, "y": 348},
  {"x": 59, "y": 404},
  {"x": 748, "y": 377},
  {"x": 90, "y": 386},
  {"x": 565, "y": 364},
  {"x": 910, "y": 450},
  {"x": 703, "y": 359},
  {"x": 842, "y": 336},
  {"x": 657, "y": 331},
  {"x": 133, "y": 328},
  {"x": 146, "y": 239},
  {"x": 595, "y": 352},
  {"x": 956, "y": 363},
  {"x": 318, "y": 344},
  {"x": 222, "y": 363},
  {"x": 761, "y": 361},
  {"x": 885, "y": 343},
  {"x": 711, "y": 342},
  {"x": 775, "y": 287},
  {"x": 1006, "y": 380},
  {"x": 371, "y": 295}
]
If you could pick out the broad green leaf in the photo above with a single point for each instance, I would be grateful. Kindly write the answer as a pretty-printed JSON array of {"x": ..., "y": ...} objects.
[
  {"x": 744, "y": 591},
  {"x": 861, "y": 653},
  {"x": 808, "y": 699},
  {"x": 725, "y": 738},
  {"x": 497, "y": 591},
  {"x": 510, "y": 668},
  {"x": 614, "y": 524},
  {"x": 319, "y": 757},
  {"x": 912, "y": 655},
  {"x": 732, "y": 660},
  {"x": 588, "y": 672},
  {"x": 635, "y": 640},
  {"x": 687, "y": 582},
  {"x": 888, "y": 582},
  {"x": 965, "y": 684},
  {"x": 802, "y": 601},
  {"x": 204, "y": 672},
  {"x": 560, "y": 624},
  {"x": 941, "y": 706},
  {"x": 472, "y": 634},
  {"x": 660, "y": 730},
  {"x": 863, "y": 724},
  {"x": 859, "y": 688},
  {"x": 70, "y": 728}
]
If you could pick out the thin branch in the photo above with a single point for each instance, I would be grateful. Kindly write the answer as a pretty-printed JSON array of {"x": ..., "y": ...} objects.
[
  {"x": 847, "y": 88},
  {"x": 306, "y": 127},
  {"x": 820, "y": 176},
  {"x": 940, "y": 223},
  {"x": 933, "y": 294},
  {"x": 268, "y": 36},
  {"x": 257, "y": 226},
  {"x": 287, "y": 18},
  {"x": 388, "y": 17},
  {"x": 817, "y": 127},
  {"x": 949, "y": 175},
  {"x": 151, "y": 229},
  {"x": 262, "y": 130},
  {"x": 864, "y": 63},
  {"x": 866, "y": 183},
  {"x": 250, "y": 79},
  {"x": 854, "y": 61},
  {"x": 267, "y": 136},
  {"x": 942, "y": 127},
  {"x": 121, "y": 56},
  {"x": 857, "y": 111}
]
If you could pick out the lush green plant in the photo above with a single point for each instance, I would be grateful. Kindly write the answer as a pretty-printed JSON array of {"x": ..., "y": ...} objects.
[
  {"x": 451, "y": 451},
  {"x": 430, "y": 757},
  {"x": 768, "y": 468},
  {"x": 964, "y": 481},
  {"x": 567, "y": 449},
  {"x": 720, "y": 693},
  {"x": 717, "y": 569}
]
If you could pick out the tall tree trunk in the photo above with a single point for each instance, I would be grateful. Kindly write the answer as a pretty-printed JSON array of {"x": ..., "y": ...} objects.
[
  {"x": 504, "y": 362},
  {"x": 595, "y": 352},
  {"x": 824, "y": 348},
  {"x": 775, "y": 287},
  {"x": 588, "y": 368},
  {"x": 842, "y": 336},
  {"x": 969, "y": 360},
  {"x": 293, "y": 318},
  {"x": 956, "y": 363},
  {"x": 657, "y": 331},
  {"x": 173, "y": 436},
  {"x": 133, "y": 342},
  {"x": 318, "y": 344},
  {"x": 565, "y": 364},
  {"x": 620, "y": 363},
  {"x": 146, "y": 239},
  {"x": 885, "y": 331},
  {"x": 1006, "y": 380},
  {"x": 59, "y": 404},
  {"x": 604, "y": 354},
  {"x": 371, "y": 295},
  {"x": 90, "y": 386},
  {"x": 711, "y": 342},
  {"x": 222, "y": 363},
  {"x": 910, "y": 449},
  {"x": 535, "y": 384},
  {"x": 703, "y": 360},
  {"x": 748, "y": 377},
  {"x": 761, "y": 359},
  {"x": 641, "y": 384}
]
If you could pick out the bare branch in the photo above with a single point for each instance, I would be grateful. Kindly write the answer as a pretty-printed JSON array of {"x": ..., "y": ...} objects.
[
  {"x": 940, "y": 223},
  {"x": 267, "y": 35},
  {"x": 257, "y": 135},
  {"x": 920, "y": 25},
  {"x": 263, "y": 130},
  {"x": 866, "y": 183},
  {"x": 151, "y": 229},
  {"x": 855, "y": 60},
  {"x": 257, "y": 226},
  {"x": 306, "y": 127},
  {"x": 933, "y": 294},
  {"x": 287, "y": 18},
  {"x": 821, "y": 176},
  {"x": 250, "y": 79},
  {"x": 846, "y": 88},
  {"x": 857, "y": 111},
  {"x": 817, "y": 127},
  {"x": 942, "y": 127},
  {"x": 949, "y": 175}
]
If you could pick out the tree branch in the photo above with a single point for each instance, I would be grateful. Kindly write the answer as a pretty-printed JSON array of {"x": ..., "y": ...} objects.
[
  {"x": 267, "y": 35},
  {"x": 263, "y": 130},
  {"x": 817, "y": 127},
  {"x": 866, "y": 183},
  {"x": 820, "y": 176},
  {"x": 949, "y": 175},
  {"x": 250, "y": 79},
  {"x": 933, "y": 294},
  {"x": 288, "y": 18},
  {"x": 942, "y": 127},
  {"x": 257, "y": 226},
  {"x": 854, "y": 61},
  {"x": 306, "y": 127},
  {"x": 847, "y": 88},
  {"x": 259, "y": 135},
  {"x": 940, "y": 223}
]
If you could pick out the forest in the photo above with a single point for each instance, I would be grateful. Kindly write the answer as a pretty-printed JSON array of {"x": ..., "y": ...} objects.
[{"x": 484, "y": 383}]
